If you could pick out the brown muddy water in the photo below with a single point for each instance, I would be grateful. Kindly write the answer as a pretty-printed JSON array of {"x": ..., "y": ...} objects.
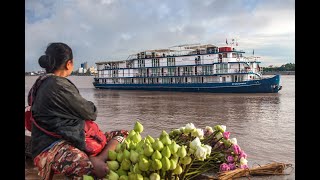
[{"x": 263, "y": 123}]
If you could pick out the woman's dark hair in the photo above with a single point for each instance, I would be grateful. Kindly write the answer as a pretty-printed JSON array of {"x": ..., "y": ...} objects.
[{"x": 56, "y": 55}]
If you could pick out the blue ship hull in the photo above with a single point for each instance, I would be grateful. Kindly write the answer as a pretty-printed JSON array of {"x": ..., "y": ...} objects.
[{"x": 266, "y": 85}]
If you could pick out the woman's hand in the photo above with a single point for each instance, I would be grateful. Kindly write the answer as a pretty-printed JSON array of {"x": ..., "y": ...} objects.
[{"x": 100, "y": 167}]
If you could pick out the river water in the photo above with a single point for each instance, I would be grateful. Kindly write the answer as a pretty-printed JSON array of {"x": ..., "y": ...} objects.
[{"x": 263, "y": 123}]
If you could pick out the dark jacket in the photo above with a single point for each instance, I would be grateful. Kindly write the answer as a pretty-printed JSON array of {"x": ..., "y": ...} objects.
[{"x": 58, "y": 107}]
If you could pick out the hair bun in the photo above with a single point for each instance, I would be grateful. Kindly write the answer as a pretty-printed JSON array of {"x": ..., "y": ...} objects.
[{"x": 44, "y": 61}]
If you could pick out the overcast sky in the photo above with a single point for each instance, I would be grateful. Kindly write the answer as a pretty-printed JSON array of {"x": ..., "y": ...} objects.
[{"x": 101, "y": 30}]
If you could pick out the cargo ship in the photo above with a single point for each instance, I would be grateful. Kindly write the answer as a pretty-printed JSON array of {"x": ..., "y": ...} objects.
[{"x": 190, "y": 68}]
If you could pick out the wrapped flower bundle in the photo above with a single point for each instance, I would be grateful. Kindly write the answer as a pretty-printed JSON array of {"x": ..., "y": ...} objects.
[{"x": 184, "y": 153}]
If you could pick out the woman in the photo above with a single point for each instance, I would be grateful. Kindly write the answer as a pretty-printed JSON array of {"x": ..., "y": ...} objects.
[{"x": 58, "y": 107}]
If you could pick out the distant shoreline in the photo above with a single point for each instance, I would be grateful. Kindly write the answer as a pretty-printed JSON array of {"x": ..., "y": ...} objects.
[{"x": 279, "y": 72}]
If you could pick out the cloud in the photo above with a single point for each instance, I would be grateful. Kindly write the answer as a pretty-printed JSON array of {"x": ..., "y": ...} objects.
[{"x": 112, "y": 30}]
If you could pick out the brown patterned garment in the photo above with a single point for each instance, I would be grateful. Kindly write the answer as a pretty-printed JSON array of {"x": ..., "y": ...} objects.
[{"x": 63, "y": 158}]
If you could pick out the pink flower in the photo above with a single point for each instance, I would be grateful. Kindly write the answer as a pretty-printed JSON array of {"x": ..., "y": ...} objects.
[
  {"x": 224, "y": 167},
  {"x": 230, "y": 159},
  {"x": 232, "y": 166},
  {"x": 243, "y": 154},
  {"x": 236, "y": 149},
  {"x": 226, "y": 135},
  {"x": 245, "y": 166}
]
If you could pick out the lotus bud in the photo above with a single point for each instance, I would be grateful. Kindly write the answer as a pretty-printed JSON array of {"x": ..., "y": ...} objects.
[
  {"x": 138, "y": 127},
  {"x": 126, "y": 154},
  {"x": 154, "y": 176},
  {"x": 121, "y": 172},
  {"x": 112, "y": 155},
  {"x": 233, "y": 141},
  {"x": 140, "y": 150},
  {"x": 134, "y": 156},
  {"x": 148, "y": 151},
  {"x": 165, "y": 163},
  {"x": 120, "y": 156},
  {"x": 131, "y": 133},
  {"x": 177, "y": 170},
  {"x": 174, "y": 157},
  {"x": 156, "y": 164},
  {"x": 219, "y": 135},
  {"x": 151, "y": 140},
  {"x": 166, "y": 152},
  {"x": 186, "y": 160},
  {"x": 173, "y": 147},
  {"x": 113, "y": 165},
  {"x": 220, "y": 128},
  {"x": 132, "y": 176},
  {"x": 198, "y": 133},
  {"x": 136, "y": 138},
  {"x": 163, "y": 133},
  {"x": 183, "y": 130},
  {"x": 201, "y": 153},
  {"x": 189, "y": 127},
  {"x": 173, "y": 164},
  {"x": 87, "y": 177},
  {"x": 191, "y": 151},
  {"x": 136, "y": 168},
  {"x": 118, "y": 147},
  {"x": 124, "y": 177},
  {"x": 166, "y": 140},
  {"x": 243, "y": 161},
  {"x": 125, "y": 164},
  {"x": 157, "y": 145},
  {"x": 112, "y": 175},
  {"x": 156, "y": 155},
  {"x": 209, "y": 130},
  {"x": 124, "y": 145},
  {"x": 195, "y": 143},
  {"x": 176, "y": 132},
  {"x": 139, "y": 176},
  {"x": 182, "y": 151},
  {"x": 144, "y": 164},
  {"x": 208, "y": 148}
]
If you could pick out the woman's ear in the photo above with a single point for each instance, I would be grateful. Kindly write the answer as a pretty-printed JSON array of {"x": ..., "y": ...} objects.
[{"x": 69, "y": 65}]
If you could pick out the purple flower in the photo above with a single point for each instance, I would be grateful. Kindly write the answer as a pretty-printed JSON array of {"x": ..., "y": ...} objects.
[
  {"x": 224, "y": 167},
  {"x": 226, "y": 135},
  {"x": 230, "y": 159},
  {"x": 243, "y": 154},
  {"x": 245, "y": 166},
  {"x": 232, "y": 166},
  {"x": 236, "y": 149}
]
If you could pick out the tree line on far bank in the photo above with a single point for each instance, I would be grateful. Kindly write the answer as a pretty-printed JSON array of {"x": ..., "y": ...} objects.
[{"x": 285, "y": 67}]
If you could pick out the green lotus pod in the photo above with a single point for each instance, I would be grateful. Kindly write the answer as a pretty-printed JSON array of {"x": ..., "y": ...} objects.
[
  {"x": 178, "y": 169},
  {"x": 154, "y": 176},
  {"x": 156, "y": 164},
  {"x": 157, "y": 145},
  {"x": 166, "y": 140},
  {"x": 124, "y": 177},
  {"x": 173, "y": 147},
  {"x": 151, "y": 140},
  {"x": 166, "y": 152},
  {"x": 148, "y": 151},
  {"x": 136, "y": 138},
  {"x": 122, "y": 172},
  {"x": 131, "y": 133},
  {"x": 138, "y": 127},
  {"x": 163, "y": 133},
  {"x": 136, "y": 169},
  {"x": 144, "y": 164},
  {"x": 120, "y": 156},
  {"x": 182, "y": 151},
  {"x": 134, "y": 156},
  {"x": 126, "y": 154},
  {"x": 186, "y": 160},
  {"x": 112, "y": 155},
  {"x": 112, "y": 175},
  {"x": 125, "y": 164},
  {"x": 165, "y": 163},
  {"x": 173, "y": 164},
  {"x": 156, "y": 155},
  {"x": 139, "y": 176},
  {"x": 113, "y": 165},
  {"x": 87, "y": 177}
]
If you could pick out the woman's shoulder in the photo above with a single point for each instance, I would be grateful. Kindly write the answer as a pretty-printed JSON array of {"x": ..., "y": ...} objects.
[{"x": 58, "y": 81}]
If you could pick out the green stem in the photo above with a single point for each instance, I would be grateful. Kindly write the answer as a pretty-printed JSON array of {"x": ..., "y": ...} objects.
[{"x": 186, "y": 169}]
